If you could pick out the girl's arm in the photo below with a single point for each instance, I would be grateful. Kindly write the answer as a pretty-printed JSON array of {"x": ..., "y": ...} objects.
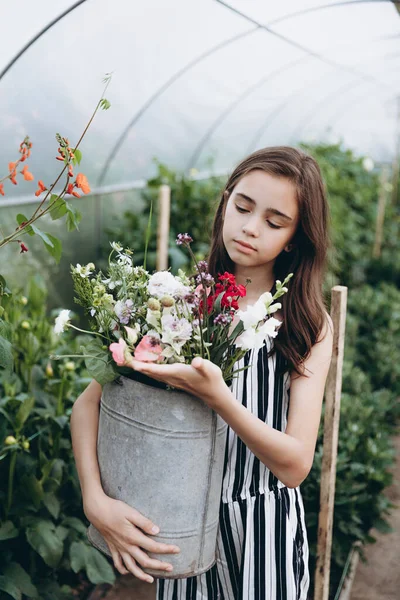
[
  {"x": 289, "y": 455},
  {"x": 121, "y": 525}
]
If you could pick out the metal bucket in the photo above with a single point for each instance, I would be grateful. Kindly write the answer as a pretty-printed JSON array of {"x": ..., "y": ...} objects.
[{"x": 162, "y": 452}]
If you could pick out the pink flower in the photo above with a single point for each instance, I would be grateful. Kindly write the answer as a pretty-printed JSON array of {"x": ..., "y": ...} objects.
[
  {"x": 120, "y": 353},
  {"x": 148, "y": 349},
  {"x": 199, "y": 290}
]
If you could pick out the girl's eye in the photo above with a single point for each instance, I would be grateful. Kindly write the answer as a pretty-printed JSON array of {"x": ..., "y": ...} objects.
[{"x": 243, "y": 210}]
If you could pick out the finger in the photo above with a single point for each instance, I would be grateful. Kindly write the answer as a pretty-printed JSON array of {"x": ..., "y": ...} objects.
[
  {"x": 139, "y": 520},
  {"x": 198, "y": 363},
  {"x": 131, "y": 565},
  {"x": 118, "y": 561},
  {"x": 147, "y": 562},
  {"x": 157, "y": 547}
]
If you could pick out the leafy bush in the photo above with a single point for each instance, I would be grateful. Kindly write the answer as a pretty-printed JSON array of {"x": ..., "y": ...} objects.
[
  {"x": 192, "y": 207},
  {"x": 42, "y": 528}
]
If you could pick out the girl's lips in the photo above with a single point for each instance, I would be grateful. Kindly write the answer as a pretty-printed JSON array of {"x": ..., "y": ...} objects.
[{"x": 243, "y": 248}]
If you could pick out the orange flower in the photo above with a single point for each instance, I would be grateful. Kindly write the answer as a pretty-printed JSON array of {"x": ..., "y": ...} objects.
[
  {"x": 27, "y": 176},
  {"x": 11, "y": 166},
  {"x": 70, "y": 190},
  {"x": 70, "y": 171},
  {"x": 42, "y": 188},
  {"x": 2, "y": 189},
  {"x": 13, "y": 177},
  {"x": 82, "y": 183}
]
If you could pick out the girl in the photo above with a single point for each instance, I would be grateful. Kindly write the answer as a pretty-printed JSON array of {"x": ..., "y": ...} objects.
[{"x": 272, "y": 220}]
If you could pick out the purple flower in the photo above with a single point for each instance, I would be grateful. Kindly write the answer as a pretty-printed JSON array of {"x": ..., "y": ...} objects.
[
  {"x": 124, "y": 311},
  {"x": 183, "y": 238},
  {"x": 203, "y": 266},
  {"x": 222, "y": 319},
  {"x": 206, "y": 278}
]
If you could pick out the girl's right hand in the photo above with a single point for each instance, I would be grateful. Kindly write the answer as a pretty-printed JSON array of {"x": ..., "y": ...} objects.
[{"x": 124, "y": 529}]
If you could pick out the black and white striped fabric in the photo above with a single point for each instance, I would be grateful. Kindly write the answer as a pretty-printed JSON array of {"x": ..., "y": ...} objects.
[{"x": 262, "y": 546}]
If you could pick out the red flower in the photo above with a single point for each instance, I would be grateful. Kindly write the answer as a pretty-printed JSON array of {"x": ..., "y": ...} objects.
[
  {"x": 70, "y": 190},
  {"x": 42, "y": 188},
  {"x": 23, "y": 248},
  {"x": 2, "y": 189},
  {"x": 227, "y": 277}
]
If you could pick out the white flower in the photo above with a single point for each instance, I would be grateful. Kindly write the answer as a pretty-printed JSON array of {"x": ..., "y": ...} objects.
[
  {"x": 111, "y": 283},
  {"x": 368, "y": 163},
  {"x": 163, "y": 283},
  {"x": 84, "y": 271},
  {"x": 250, "y": 339},
  {"x": 175, "y": 331},
  {"x": 61, "y": 321},
  {"x": 116, "y": 246},
  {"x": 253, "y": 314},
  {"x": 270, "y": 327}
]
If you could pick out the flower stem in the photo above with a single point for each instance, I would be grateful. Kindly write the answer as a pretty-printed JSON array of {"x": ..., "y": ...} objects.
[{"x": 10, "y": 481}]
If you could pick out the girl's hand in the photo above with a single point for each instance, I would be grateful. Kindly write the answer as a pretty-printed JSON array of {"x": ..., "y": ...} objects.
[
  {"x": 124, "y": 529},
  {"x": 202, "y": 378}
]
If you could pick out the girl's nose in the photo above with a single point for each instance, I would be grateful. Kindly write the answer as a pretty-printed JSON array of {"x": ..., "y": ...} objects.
[{"x": 251, "y": 227}]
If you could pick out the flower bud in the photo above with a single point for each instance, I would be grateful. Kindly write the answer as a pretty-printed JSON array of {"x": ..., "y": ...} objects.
[
  {"x": 49, "y": 370},
  {"x": 132, "y": 334},
  {"x": 69, "y": 366},
  {"x": 167, "y": 301},
  {"x": 25, "y": 325},
  {"x": 153, "y": 304},
  {"x": 25, "y": 445},
  {"x": 24, "y": 300},
  {"x": 10, "y": 440}
]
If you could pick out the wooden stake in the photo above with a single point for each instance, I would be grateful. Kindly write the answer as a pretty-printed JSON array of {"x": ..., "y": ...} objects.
[
  {"x": 380, "y": 217},
  {"x": 331, "y": 431},
  {"x": 164, "y": 203},
  {"x": 396, "y": 159}
]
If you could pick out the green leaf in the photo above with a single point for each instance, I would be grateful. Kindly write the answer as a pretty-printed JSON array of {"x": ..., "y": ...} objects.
[
  {"x": 77, "y": 556},
  {"x": 15, "y": 573},
  {"x": 4, "y": 289},
  {"x": 73, "y": 217},
  {"x": 43, "y": 538},
  {"x": 98, "y": 569},
  {"x": 55, "y": 249},
  {"x": 99, "y": 363},
  {"x": 8, "y": 531},
  {"x": 24, "y": 411},
  {"x": 76, "y": 524},
  {"x": 10, "y": 588},
  {"x": 59, "y": 208},
  {"x": 6, "y": 330},
  {"x": 78, "y": 156},
  {"x": 23, "y": 219},
  {"x": 45, "y": 236},
  {"x": 6, "y": 355},
  {"x": 52, "y": 504},
  {"x": 33, "y": 489}
]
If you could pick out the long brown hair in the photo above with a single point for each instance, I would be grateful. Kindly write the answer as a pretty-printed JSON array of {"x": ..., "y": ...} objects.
[{"x": 303, "y": 306}]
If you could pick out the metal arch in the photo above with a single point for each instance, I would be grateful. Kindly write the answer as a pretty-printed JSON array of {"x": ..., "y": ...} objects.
[
  {"x": 332, "y": 5},
  {"x": 160, "y": 91},
  {"x": 37, "y": 36},
  {"x": 312, "y": 112},
  {"x": 221, "y": 117}
]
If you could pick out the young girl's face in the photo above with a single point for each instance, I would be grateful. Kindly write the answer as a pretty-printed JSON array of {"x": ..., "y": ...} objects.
[{"x": 251, "y": 217}]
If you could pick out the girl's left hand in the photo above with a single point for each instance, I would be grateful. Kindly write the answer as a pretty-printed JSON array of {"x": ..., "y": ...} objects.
[{"x": 202, "y": 378}]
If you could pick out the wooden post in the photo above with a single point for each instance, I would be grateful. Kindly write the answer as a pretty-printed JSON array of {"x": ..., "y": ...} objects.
[
  {"x": 331, "y": 431},
  {"x": 380, "y": 217},
  {"x": 164, "y": 202},
  {"x": 396, "y": 159}
]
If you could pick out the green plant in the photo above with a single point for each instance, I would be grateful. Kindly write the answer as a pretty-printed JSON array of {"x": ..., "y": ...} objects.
[{"x": 42, "y": 527}]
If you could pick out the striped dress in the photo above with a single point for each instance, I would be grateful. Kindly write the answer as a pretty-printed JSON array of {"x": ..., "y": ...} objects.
[{"x": 262, "y": 546}]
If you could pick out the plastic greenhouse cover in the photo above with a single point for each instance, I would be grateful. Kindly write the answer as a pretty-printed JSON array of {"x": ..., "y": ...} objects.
[{"x": 195, "y": 80}]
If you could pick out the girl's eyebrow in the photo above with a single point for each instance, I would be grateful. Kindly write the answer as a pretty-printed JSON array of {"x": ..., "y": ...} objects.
[{"x": 275, "y": 211}]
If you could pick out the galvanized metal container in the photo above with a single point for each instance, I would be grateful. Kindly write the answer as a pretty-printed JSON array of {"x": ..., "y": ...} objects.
[{"x": 162, "y": 452}]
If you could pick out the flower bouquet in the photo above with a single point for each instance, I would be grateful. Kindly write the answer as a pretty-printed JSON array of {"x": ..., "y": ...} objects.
[
  {"x": 164, "y": 318},
  {"x": 162, "y": 450}
]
